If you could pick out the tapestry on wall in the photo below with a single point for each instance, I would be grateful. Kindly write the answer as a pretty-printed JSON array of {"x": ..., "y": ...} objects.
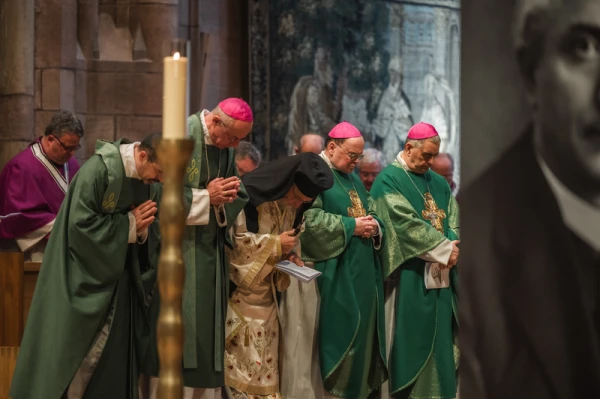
[{"x": 379, "y": 64}]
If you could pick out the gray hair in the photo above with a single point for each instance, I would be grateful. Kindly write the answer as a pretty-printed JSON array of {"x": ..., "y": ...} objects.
[
  {"x": 420, "y": 143},
  {"x": 64, "y": 122},
  {"x": 531, "y": 22},
  {"x": 372, "y": 155},
  {"x": 246, "y": 150},
  {"x": 227, "y": 120}
]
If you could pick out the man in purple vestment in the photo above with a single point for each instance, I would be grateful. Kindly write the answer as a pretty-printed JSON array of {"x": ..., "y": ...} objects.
[{"x": 34, "y": 183}]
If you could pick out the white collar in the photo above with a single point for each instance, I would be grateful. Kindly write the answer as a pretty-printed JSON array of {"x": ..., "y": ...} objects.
[
  {"x": 580, "y": 216},
  {"x": 401, "y": 160},
  {"x": 207, "y": 139},
  {"x": 128, "y": 156},
  {"x": 326, "y": 159}
]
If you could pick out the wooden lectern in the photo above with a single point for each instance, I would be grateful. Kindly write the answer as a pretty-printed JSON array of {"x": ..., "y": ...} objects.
[{"x": 17, "y": 282}]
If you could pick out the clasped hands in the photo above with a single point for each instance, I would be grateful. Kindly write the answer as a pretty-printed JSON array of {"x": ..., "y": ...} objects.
[
  {"x": 223, "y": 191},
  {"x": 366, "y": 226},
  {"x": 144, "y": 215}
]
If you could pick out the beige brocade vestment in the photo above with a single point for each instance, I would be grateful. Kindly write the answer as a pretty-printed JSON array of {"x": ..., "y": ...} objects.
[{"x": 252, "y": 325}]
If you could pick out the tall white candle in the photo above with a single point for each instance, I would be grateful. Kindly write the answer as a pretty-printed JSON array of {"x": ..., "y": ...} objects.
[{"x": 174, "y": 97}]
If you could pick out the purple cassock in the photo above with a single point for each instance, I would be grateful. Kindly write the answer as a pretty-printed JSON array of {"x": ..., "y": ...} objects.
[{"x": 33, "y": 185}]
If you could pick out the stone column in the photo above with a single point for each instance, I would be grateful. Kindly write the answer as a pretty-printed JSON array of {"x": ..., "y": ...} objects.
[
  {"x": 159, "y": 22},
  {"x": 16, "y": 76},
  {"x": 87, "y": 27}
]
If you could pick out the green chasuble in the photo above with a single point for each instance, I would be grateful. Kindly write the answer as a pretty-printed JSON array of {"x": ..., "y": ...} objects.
[
  {"x": 89, "y": 305},
  {"x": 207, "y": 269},
  {"x": 351, "y": 332},
  {"x": 424, "y": 356}
]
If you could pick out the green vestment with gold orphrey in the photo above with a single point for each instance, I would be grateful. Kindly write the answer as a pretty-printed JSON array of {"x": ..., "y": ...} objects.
[
  {"x": 424, "y": 355},
  {"x": 351, "y": 334},
  {"x": 206, "y": 288},
  {"x": 91, "y": 282}
]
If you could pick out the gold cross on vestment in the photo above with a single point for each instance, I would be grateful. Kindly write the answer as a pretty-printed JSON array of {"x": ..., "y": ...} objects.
[
  {"x": 434, "y": 215},
  {"x": 357, "y": 209}
]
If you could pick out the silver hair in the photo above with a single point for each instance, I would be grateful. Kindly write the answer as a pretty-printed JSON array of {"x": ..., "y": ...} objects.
[
  {"x": 372, "y": 155},
  {"x": 245, "y": 149},
  {"x": 420, "y": 143},
  {"x": 227, "y": 120}
]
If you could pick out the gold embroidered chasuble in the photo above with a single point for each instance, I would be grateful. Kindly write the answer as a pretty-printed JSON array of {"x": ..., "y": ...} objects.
[{"x": 252, "y": 324}]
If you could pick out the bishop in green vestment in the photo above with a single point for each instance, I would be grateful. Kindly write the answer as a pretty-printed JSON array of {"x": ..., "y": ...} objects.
[
  {"x": 342, "y": 237},
  {"x": 418, "y": 258},
  {"x": 87, "y": 329},
  {"x": 214, "y": 197}
]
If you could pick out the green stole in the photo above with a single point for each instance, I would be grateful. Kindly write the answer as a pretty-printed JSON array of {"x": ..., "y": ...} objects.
[{"x": 420, "y": 345}]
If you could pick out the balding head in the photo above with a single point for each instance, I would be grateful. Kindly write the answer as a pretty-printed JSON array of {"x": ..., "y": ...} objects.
[
  {"x": 443, "y": 165},
  {"x": 310, "y": 142}
]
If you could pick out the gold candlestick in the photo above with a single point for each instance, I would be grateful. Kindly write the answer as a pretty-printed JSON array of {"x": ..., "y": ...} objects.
[{"x": 174, "y": 156}]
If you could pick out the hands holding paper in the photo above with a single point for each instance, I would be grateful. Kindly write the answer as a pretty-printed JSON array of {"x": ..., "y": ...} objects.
[
  {"x": 288, "y": 241},
  {"x": 366, "y": 227}
]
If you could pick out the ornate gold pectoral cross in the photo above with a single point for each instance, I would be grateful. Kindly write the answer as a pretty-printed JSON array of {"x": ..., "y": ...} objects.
[
  {"x": 434, "y": 215},
  {"x": 357, "y": 209}
]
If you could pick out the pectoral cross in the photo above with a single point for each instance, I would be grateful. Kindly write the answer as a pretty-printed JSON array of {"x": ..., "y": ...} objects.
[
  {"x": 357, "y": 209},
  {"x": 434, "y": 215}
]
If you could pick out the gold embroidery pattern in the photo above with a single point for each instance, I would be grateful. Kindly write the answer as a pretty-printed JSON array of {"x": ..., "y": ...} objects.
[
  {"x": 434, "y": 215},
  {"x": 192, "y": 171},
  {"x": 109, "y": 203},
  {"x": 257, "y": 373},
  {"x": 357, "y": 209}
]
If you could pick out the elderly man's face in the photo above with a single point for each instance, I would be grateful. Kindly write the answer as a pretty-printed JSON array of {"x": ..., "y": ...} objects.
[
  {"x": 565, "y": 91},
  {"x": 368, "y": 172}
]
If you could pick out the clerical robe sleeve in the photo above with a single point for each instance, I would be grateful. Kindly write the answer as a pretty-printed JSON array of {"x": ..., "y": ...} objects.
[
  {"x": 378, "y": 237},
  {"x": 97, "y": 240},
  {"x": 326, "y": 234},
  {"x": 253, "y": 255},
  {"x": 407, "y": 235}
]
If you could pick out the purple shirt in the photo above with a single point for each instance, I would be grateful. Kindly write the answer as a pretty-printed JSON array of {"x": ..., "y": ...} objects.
[{"x": 32, "y": 184}]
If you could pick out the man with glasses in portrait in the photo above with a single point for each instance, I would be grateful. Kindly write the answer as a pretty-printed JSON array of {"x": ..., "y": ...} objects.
[
  {"x": 342, "y": 237},
  {"x": 34, "y": 184}
]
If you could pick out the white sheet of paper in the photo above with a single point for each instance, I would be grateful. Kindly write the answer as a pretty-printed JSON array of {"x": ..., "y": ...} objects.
[
  {"x": 302, "y": 273},
  {"x": 435, "y": 277},
  {"x": 9, "y": 215}
]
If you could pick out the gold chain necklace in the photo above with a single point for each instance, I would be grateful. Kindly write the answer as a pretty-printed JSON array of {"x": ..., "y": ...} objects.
[{"x": 431, "y": 212}]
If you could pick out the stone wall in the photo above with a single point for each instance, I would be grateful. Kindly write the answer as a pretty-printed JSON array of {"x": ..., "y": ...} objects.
[{"x": 102, "y": 59}]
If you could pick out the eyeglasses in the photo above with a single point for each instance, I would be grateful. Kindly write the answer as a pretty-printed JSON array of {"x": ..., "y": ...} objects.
[
  {"x": 66, "y": 148},
  {"x": 232, "y": 139},
  {"x": 353, "y": 156}
]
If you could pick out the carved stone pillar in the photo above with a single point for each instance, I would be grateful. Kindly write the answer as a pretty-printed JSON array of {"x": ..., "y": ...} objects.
[
  {"x": 16, "y": 76},
  {"x": 87, "y": 28}
]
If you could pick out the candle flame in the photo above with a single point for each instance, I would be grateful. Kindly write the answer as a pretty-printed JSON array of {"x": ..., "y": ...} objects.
[{"x": 176, "y": 56}]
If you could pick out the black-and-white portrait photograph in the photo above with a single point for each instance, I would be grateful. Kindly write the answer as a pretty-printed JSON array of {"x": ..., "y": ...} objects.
[{"x": 530, "y": 199}]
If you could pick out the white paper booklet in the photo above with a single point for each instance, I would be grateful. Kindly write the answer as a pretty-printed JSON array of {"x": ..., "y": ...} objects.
[
  {"x": 9, "y": 215},
  {"x": 436, "y": 277},
  {"x": 302, "y": 273}
]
